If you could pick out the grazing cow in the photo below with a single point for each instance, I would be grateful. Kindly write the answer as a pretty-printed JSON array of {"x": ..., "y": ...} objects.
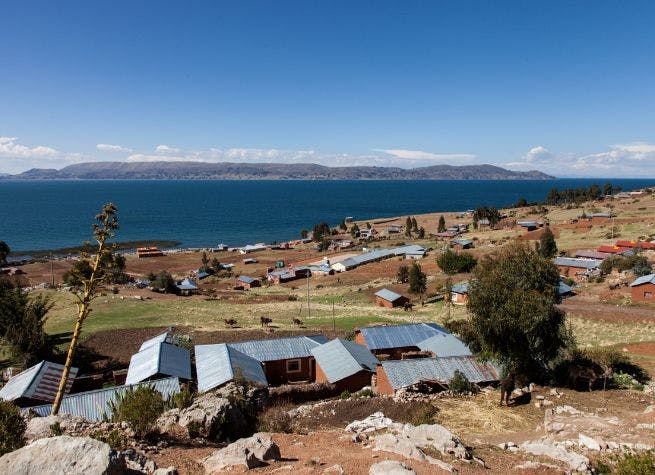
[
  {"x": 506, "y": 388},
  {"x": 230, "y": 322},
  {"x": 297, "y": 322},
  {"x": 408, "y": 306},
  {"x": 581, "y": 374},
  {"x": 265, "y": 321}
]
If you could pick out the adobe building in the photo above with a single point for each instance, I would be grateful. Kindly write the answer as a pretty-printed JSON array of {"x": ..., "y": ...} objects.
[
  {"x": 459, "y": 294},
  {"x": 643, "y": 289},
  {"x": 347, "y": 365},
  {"x": 389, "y": 299}
]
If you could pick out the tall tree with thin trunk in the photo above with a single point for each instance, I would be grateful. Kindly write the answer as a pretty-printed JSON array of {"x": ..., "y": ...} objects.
[{"x": 103, "y": 230}]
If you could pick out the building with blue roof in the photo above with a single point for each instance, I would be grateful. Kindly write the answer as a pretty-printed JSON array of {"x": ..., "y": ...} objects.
[
  {"x": 219, "y": 364},
  {"x": 187, "y": 286},
  {"x": 398, "y": 374},
  {"x": 344, "y": 363},
  {"x": 284, "y": 360},
  {"x": 445, "y": 345},
  {"x": 390, "y": 299},
  {"x": 248, "y": 282},
  {"x": 642, "y": 289},
  {"x": 459, "y": 293},
  {"x": 394, "y": 340},
  {"x": 158, "y": 360}
]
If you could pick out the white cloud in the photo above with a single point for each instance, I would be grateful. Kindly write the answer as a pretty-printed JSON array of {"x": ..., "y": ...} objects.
[
  {"x": 9, "y": 148},
  {"x": 105, "y": 147},
  {"x": 166, "y": 149},
  {"x": 16, "y": 157},
  {"x": 622, "y": 160},
  {"x": 426, "y": 156}
]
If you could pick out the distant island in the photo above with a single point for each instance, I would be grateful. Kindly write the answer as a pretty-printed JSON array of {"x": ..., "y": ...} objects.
[{"x": 267, "y": 171}]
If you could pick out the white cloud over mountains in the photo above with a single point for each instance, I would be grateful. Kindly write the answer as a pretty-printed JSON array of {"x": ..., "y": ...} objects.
[
  {"x": 636, "y": 159},
  {"x": 631, "y": 159}
]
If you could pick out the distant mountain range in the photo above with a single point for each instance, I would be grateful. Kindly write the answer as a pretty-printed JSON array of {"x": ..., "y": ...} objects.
[{"x": 268, "y": 171}]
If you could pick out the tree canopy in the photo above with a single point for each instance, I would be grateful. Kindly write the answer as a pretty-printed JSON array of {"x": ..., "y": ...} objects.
[
  {"x": 512, "y": 302},
  {"x": 417, "y": 279},
  {"x": 4, "y": 252},
  {"x": 547, "y": 244},
  {"x": 452, "y": 262}
]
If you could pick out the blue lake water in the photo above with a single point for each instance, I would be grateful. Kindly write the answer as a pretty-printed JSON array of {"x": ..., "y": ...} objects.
[{"x": 56, "y": 214}]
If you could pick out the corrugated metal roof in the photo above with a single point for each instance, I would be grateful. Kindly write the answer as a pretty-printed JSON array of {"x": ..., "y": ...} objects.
[
  {"x": 246, "y": 279},
  {"x": 388, "y": 295},
  {"x": 564, "y": 288},
  {"x": 341, "y": 358},
  {"x": 162, "y": 358},
  {"x": 398, "y": 336},
  {"x": 218, "y": 364},
  {"x": 403, "y": 373},
  {"x": 462, "y": 242},
  {"x": 445, "y": 345},
  {"x": 156, "y": 340},
  {"x": 527, "y": 224},
  {"x": 573, "y": 262},
  {"x": 279, "y": 348},
  {"x": 462, "y": 288},
  {"x": 592, "y": 254},
  {"x": 380, "y": 254},
  {"x": 646, "y": 279},
  {"x": 94, "y": 405},
  {"x": 41, "y": 382},
  {"x": 187, "y": 284}
]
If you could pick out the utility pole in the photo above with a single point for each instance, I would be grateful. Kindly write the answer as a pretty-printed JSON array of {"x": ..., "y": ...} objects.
[
  {"x": 334, "y": 322},
  {"x": 52, "y": 270},
  {"x": 309, "y": 313}
]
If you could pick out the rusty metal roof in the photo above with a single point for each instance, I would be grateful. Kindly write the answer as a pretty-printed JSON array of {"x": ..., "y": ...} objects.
[{"x": 41, "y": 382}]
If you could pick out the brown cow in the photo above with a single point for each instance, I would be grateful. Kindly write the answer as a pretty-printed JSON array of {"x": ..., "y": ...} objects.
[
  {"x": 297, "y": 322},
  {"x": 230, "y": 322},
  {"x": 265, "y": 321},
  {"x": 506, "y": 388}
]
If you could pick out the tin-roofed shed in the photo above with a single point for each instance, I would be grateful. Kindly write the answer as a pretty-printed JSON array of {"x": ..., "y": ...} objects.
[
  {"x": 96, "y": 405},
  {"x": 344, "y": 363},
  {"x": 157, "y": 361},
  {"x": 445, "y": 345},
  {"x": 388, "y": 298},
  {"x": 219, "y": 364},
  {"x": 398, "y": 374},
  {"x": 642, "y": 289},
  {"x": 394, "y": 340},
  {"x": 36, "y": 384}
]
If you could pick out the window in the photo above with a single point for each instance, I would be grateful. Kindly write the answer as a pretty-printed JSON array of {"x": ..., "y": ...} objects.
[
  {"x": 293, "y": 366},
  {"x": 648, "y": 295}
]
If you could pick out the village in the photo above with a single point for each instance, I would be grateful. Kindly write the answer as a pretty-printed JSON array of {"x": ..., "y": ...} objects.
[{"x": 332, "y": 340}]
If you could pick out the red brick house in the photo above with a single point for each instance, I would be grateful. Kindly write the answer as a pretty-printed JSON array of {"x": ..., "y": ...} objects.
[
  {"x": 248, "y": 282},
  {"x": 284, "y": 360},
  {"x": 389, "y": 299},
  {"x": 643, "y": 289},
  {"x": 459, "y": 294},
  {"x": 346, "y": 364}
]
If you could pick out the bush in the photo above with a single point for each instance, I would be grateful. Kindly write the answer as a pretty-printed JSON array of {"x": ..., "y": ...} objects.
[
  {"x": 140, "y": 408},
  {"x": 275, "y": 419},
  {"x": 366, "y": 393},
  {"x": 12, "y": 428},
  {"x": 452, "y": 262},
  {"x": 183, "y": 399},
  {"x": 114, "y": 438},
  {"x": 56, "y": 430},
  {"x": 424, "y": 416},
  {"x": 460, "y": 384},
  {"x": 629, "y": 464},
  {"x": 345, "y": 394}
]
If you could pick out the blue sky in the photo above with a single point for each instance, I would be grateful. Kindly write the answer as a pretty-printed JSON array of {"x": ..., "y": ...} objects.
[{"x": 563, "y": 87}]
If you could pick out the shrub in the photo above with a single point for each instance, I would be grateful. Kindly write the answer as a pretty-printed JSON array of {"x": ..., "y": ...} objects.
[
  {"x": 275, "y": 419},
  {"x": 424, "y": 416},
  {"x": 140, "y": 408},
  {"x": 452, "y": 262},
  {"x": 56, "y": 430},
  {"x": 12, "y": 428},
  {"x": 183, "y": 399},
  {"x": 366, "y": 393},
  {"x": 460, "y": 384},
  {"x": 345, "y": 394},
  {"x": 114, "y": 438},
  {"x": 635, "y": 464}
]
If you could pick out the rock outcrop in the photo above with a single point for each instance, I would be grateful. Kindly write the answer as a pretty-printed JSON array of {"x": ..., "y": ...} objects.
[
  {"x": 64, "y": 454},
  {"x": 390, "y": 467},
  {"x": 250, "y": 452}
]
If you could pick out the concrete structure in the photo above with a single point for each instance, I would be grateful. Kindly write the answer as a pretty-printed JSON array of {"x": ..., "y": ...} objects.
[
  {"x": 643, "y": 289},
  {"x": 390, "y": 299}
]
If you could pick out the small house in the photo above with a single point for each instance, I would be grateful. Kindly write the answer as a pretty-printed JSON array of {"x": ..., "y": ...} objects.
[
  {"x": 36, "y": 384},
  {"x": 459, "y": 294},
  {"x": 248, "y": 282},
  {"x": 252, "y": 248},
  {"x": 219, "y": 364},
  {"x": 590, "y": 254},
  {"x": 443, "y": 345},
  {"x": 636, "y": 244},
  {"x": 187, "y": 287},
  {"x": 609, "y": 249},
  {"x": 393, "y": 229},
  {"x": 389, "y": 299},
  {"x": 396, "y": 340},
  {"x": 642, "y": 289},
  {"x": 344, "y": 363},
  {"x": 142, "y": 252},
  {"x": 565, "y": 290},
  {"x": 250, "y": 260},
  {"x": 578, "y": 269},
  {"x": 159, "y": 359},
  {"x": 461, "y": 244},
  {"x": 528, "y": 225},
  {"x": 437, "y": 372},
  {"x": 284, "y": 360}
]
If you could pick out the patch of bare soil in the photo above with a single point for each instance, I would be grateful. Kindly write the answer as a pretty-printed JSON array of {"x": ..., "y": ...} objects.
[{"x": 607, "y": 312}]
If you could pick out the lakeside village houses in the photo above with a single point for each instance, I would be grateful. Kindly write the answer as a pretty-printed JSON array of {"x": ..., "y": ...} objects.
[{"x": 388, "y": 358}]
